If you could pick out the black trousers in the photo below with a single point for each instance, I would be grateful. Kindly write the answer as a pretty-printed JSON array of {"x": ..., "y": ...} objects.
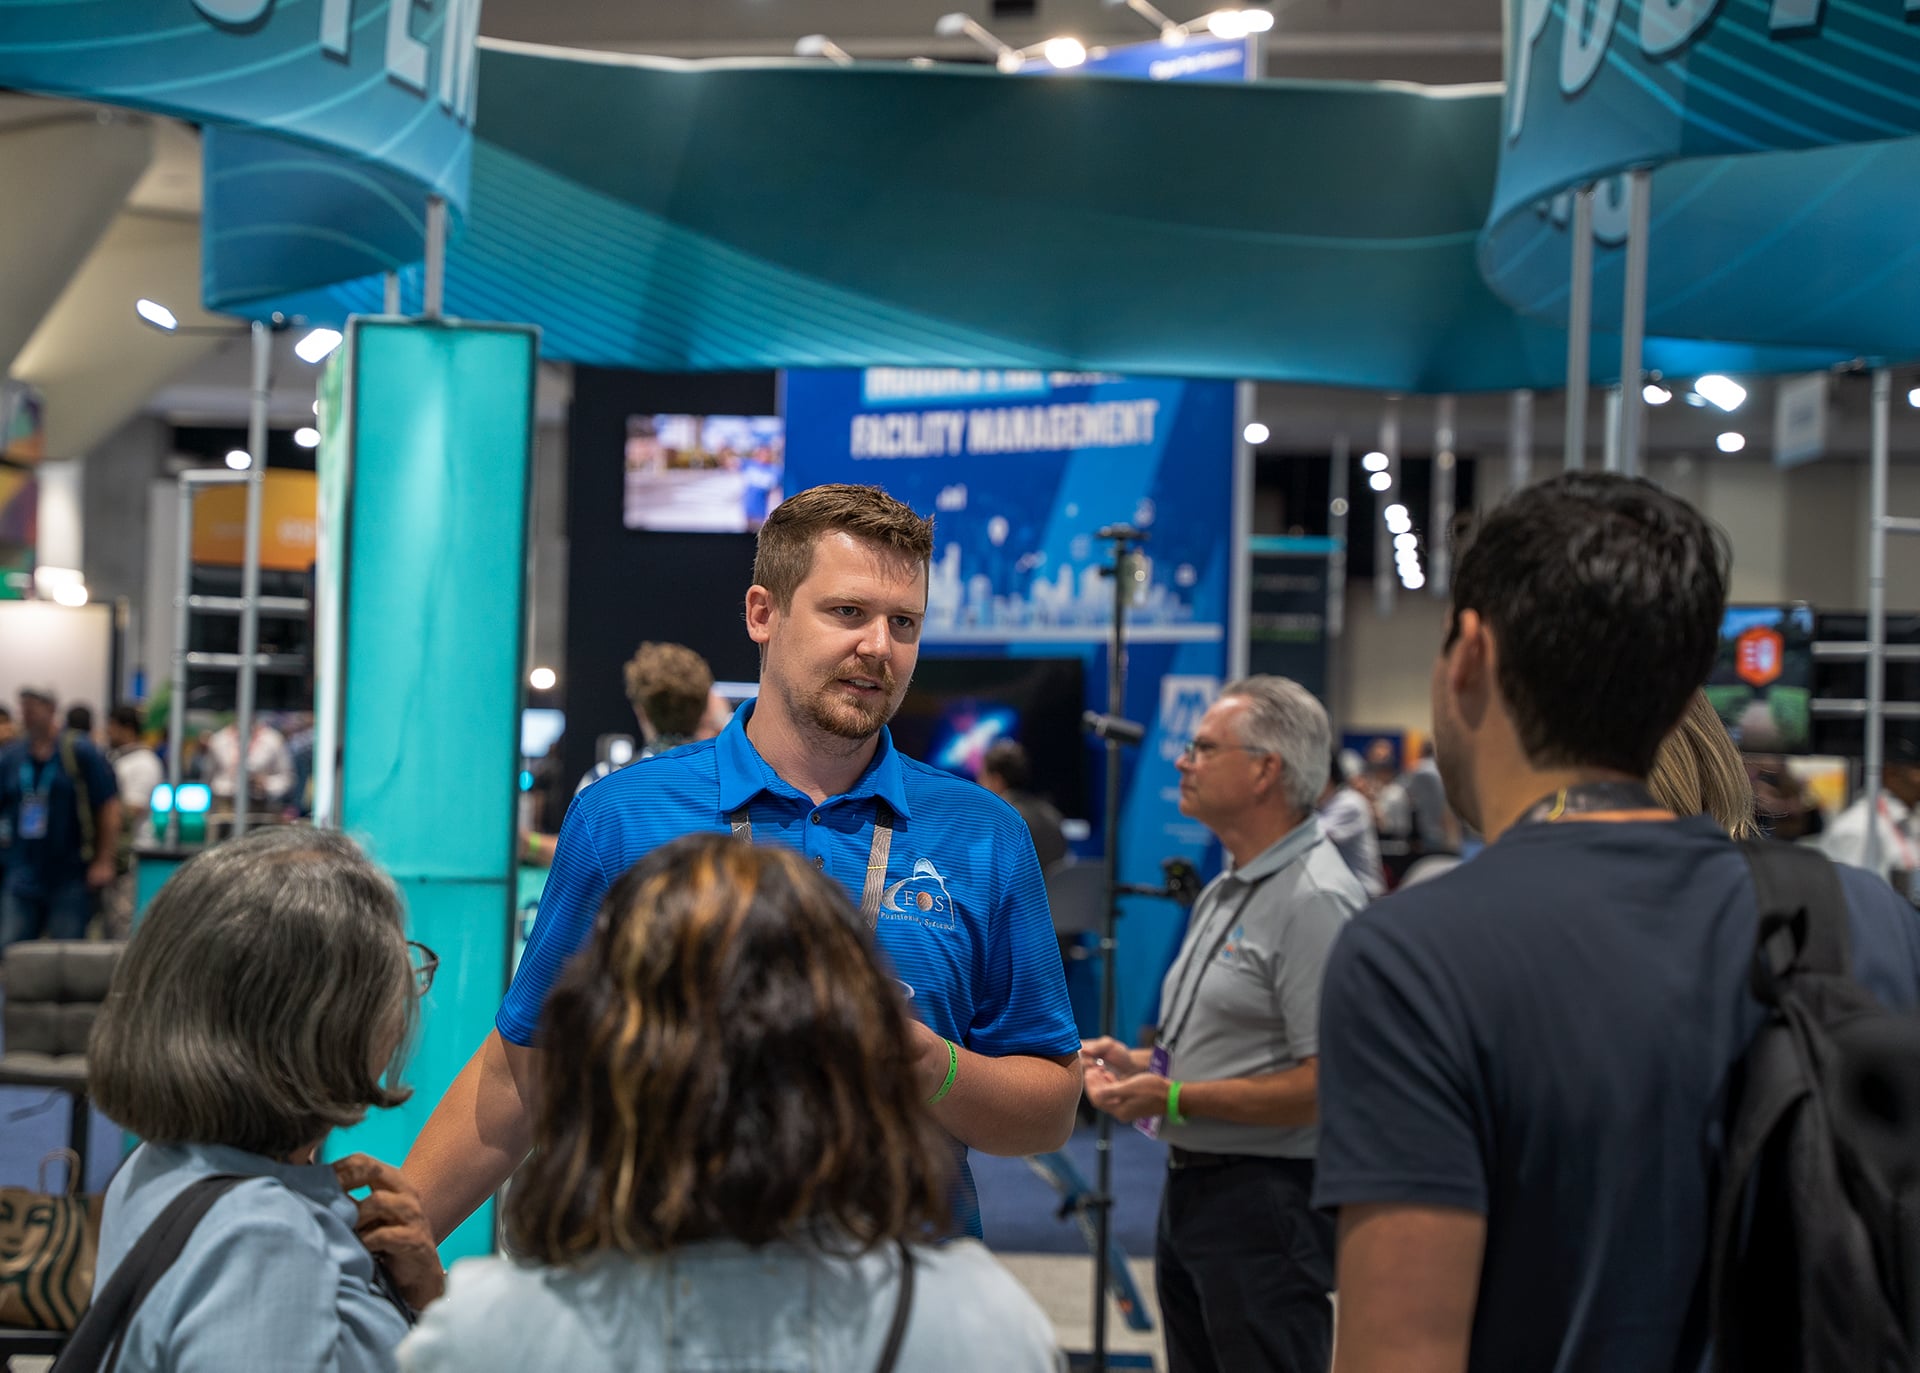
[{"x": 1243, "y": 1265}]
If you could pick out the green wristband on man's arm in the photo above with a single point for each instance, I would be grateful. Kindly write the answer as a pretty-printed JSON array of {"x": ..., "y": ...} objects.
[
  {"x": 1173, "y": 1105},
  {"x": 953, "y": 1071}
]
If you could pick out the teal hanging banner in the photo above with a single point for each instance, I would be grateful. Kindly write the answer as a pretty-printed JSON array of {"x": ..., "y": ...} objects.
[{"x": 354, "y": 113}]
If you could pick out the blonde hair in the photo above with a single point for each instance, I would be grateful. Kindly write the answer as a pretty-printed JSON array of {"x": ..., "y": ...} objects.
[{"x": 1698, "y": 771}]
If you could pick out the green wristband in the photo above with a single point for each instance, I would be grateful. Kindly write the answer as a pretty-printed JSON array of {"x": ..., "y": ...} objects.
[
  {"x": 1173, "y": 1105},
  {"x": 953, "y": 1071}
]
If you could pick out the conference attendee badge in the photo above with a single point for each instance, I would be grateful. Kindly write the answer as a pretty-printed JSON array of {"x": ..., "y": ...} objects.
[
  {"x": 1159, "y": 1065},
  {"x": 33, "y": 815}
]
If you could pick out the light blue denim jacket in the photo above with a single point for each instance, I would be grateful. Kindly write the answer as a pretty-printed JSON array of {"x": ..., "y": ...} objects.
[
  {"x": 273, "y": 1277},
  {"x": 722, "y": 1308}
]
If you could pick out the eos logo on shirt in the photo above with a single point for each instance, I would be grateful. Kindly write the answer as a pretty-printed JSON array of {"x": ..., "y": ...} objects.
[{"x": 922, "y": 896}]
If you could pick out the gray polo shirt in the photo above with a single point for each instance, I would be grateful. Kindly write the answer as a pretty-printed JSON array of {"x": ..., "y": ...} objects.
[{"x": 1243, "y": 996}]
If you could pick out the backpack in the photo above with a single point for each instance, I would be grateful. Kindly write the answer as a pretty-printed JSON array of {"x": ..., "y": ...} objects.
[{"x": 1815, "y": 1258}]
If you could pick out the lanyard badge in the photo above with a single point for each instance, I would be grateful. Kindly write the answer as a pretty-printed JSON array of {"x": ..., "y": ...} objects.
[{"x": 1160, "y": 1065}]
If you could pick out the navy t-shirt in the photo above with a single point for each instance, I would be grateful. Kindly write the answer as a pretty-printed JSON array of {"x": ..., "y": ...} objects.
[
  {"x": 1544, "y": 1036},
  {"x": 36, "y": 865}
]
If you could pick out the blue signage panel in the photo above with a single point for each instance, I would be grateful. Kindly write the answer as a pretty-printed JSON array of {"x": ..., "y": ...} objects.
[{"x": 1021, "y": 469}]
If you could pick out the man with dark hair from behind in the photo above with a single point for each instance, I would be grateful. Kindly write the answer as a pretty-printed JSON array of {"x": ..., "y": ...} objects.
[
  {"x": 1524, "y": 1062},
  {"x": 1006, "y": 772},
  {"x": 80, "y": 721}
]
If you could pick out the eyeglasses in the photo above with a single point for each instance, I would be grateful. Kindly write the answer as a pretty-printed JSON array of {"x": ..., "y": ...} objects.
[
  {"x": 425, "y": 963},
  {"x": 1198, "y": 750}
]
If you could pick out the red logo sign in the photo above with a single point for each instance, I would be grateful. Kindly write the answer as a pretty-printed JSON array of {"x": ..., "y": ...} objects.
[{"x": 1757, "y": 656}]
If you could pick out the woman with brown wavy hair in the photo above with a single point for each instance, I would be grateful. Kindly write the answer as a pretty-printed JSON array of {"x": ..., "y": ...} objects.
[{"x": 732, "y": 1168}]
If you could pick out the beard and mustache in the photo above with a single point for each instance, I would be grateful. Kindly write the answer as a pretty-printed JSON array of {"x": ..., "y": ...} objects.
[{"x": 835, "y": 712}]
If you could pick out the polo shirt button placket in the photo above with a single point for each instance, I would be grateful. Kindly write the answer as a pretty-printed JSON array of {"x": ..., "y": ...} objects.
[{"x": 819, "y": 863}]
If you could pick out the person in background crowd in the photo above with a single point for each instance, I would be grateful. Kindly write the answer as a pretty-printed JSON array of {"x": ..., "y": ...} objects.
[
  {"x": 1243, "y": 1262},
  {"x": 1698, "y": 771},
  {"x": 1783, "y": 807},
  {"x": 265, "y": 1002},
  {"x": 60, "y": 825},
  {"x": 1381, "y": 785},
  {"x": 1006, "y": 772},
  {"x": 80, "y": 721},
  {"x": 270, "y": 766},
  {"x": 1895, "y": 815},
  {"x": 740, "y": 1182},
  {"x": 719, "y": 711},
  {"x": 1434, "y": 828},
  {"x": 137, "y": 770},
  {"x": 1347, "y": 821},
  {"x": 1523, "y": 1063},
  {"x": 948, "y": 876},
  {"x": 8, "y": 730},
  {"x": 668, "y": 686}
]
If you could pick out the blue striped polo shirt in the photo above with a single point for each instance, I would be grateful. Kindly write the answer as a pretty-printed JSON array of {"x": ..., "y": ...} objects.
[{"x": 963, "y": 923}]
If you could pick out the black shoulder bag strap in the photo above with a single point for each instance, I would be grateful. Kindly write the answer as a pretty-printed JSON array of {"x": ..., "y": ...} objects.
[
  {"x": 902, "y": 1308},
  {"x": 1803, "y": 915},
  {"x": 83, "y": 802},
  {"x": 95, "y": 1346}
]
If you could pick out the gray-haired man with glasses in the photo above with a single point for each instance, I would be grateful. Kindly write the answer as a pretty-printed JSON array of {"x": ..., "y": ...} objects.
[{"x": 1244, "y": 1264}]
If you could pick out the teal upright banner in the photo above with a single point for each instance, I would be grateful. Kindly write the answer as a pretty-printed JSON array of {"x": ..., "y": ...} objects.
[
  {"x": 353, "y": 112},
  {"x": 424, "y": 490}
]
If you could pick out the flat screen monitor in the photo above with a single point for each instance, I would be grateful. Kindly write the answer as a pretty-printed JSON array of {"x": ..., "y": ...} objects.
[
  {"x": 539, "y": 730},
  {"x": 957, "y": 708},
  {"x": 1762, "y": 679},
  {"x": 703, "y": 474}
]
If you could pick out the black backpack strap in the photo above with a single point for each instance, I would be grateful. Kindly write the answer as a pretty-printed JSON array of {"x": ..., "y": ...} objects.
[
  {"x": 902, "y": 1308},
  {"x": 95, "y": 1345},
  {"x": 1803, "y": 915}
]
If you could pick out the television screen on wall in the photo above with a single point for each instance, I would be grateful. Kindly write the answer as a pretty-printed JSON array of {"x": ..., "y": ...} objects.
[
  {"x": 709, "y": 474},
  {"x": 958, "y": 708},
  {"x": 1762, "y": 679}
]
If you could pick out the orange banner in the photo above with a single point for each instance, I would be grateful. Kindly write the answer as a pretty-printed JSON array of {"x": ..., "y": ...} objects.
[{"x": 289, "y": 523}]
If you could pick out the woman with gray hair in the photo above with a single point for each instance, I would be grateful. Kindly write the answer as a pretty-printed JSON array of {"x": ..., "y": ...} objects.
[{"x": 264, "y": 1002}]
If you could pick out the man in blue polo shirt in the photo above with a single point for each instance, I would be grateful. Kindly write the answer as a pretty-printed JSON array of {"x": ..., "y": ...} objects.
[{"x": 944, "y": 873}]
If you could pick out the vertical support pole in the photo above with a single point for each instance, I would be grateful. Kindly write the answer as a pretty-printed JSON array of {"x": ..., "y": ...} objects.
[
  {"x": 391, "y": 303},
  {"x": 1633, "y": 322},
  {"x": 434, "y": 298},
  {"x": 1339, "y": 519},
  {"x": 250, "y": 571},
  {"x": 1579, "y": 329},
  {"x": 1383, "y": 578},
  {"x": 1440, "y": 537},
  {"x": 1240, "y": 609},
  {"x": 1610, "y": 459},
  {"x": 1877, "y": 610},
  {"x": 1520, "y": 441},
  {"x": 177, "y": 704}
]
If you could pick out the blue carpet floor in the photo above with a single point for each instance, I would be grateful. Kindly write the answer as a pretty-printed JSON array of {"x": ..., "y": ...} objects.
[{"x": 1018, "y": 1207}]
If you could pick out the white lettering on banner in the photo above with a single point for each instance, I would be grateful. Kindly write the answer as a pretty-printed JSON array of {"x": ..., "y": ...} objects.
[
  {"x": 1666, "y": 28},
  {"x": 930, "y": 434},
  {"x": 1192, "y": 64},
  {"x": 1583, "y": 47},
  {"x": 1014, "y": 429},
  {"x": 336, "y": 26},
  {"x": 406, "y": 55}
]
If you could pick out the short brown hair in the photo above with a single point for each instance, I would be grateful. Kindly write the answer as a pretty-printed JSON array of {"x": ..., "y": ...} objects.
[
  {"x": 1698, "y": 771},
  {"x": 252, "y": 1000},
  {"x": 668, "y": 683},
  {"x": 725, "y": 1059},
  {"x": 787, "y": 539}
]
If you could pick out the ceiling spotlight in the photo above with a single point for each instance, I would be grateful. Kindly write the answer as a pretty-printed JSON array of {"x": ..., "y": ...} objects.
[
  {"x": 1913, "y": 398},
  {"x": 1380, "y": 481},
  {"x": 1256, "y": 433},
  {"x": 1396, "y": 511},
  {"x": 1375, "y": 462},
  {"x": 1731, "y": 442},
  {"x": 1656, "y": 394},
  {"x": 1257, "y": 21},
  {"x": 307, "y": 436},
  {"x": 1064, "y": 52},
  {"x": 317, "y": 344},
  {"x": 819, "y": 45},
  {"x": 1228, "y": 24},
  {"x": 239, "y": 459},
  {"x": 1413, "y": 583},
  {"x": 542, "y": 679},
  {"x": 1406, "y": 542},
  {"x": 1724, "y": 392},
  {"x": 957, "y": 25},
  {"x": 156, "y": 314}
]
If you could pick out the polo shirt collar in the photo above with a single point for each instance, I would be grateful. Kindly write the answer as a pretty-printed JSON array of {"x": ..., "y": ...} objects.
[
  {"x": 744, "y": 774},
  {"x": 1294, "y": 844}
]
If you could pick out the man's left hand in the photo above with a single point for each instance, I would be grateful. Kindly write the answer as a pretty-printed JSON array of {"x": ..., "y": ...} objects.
[
  {"x": 100, "y": 873},
  {"x": 1127, "y": 1098}
]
